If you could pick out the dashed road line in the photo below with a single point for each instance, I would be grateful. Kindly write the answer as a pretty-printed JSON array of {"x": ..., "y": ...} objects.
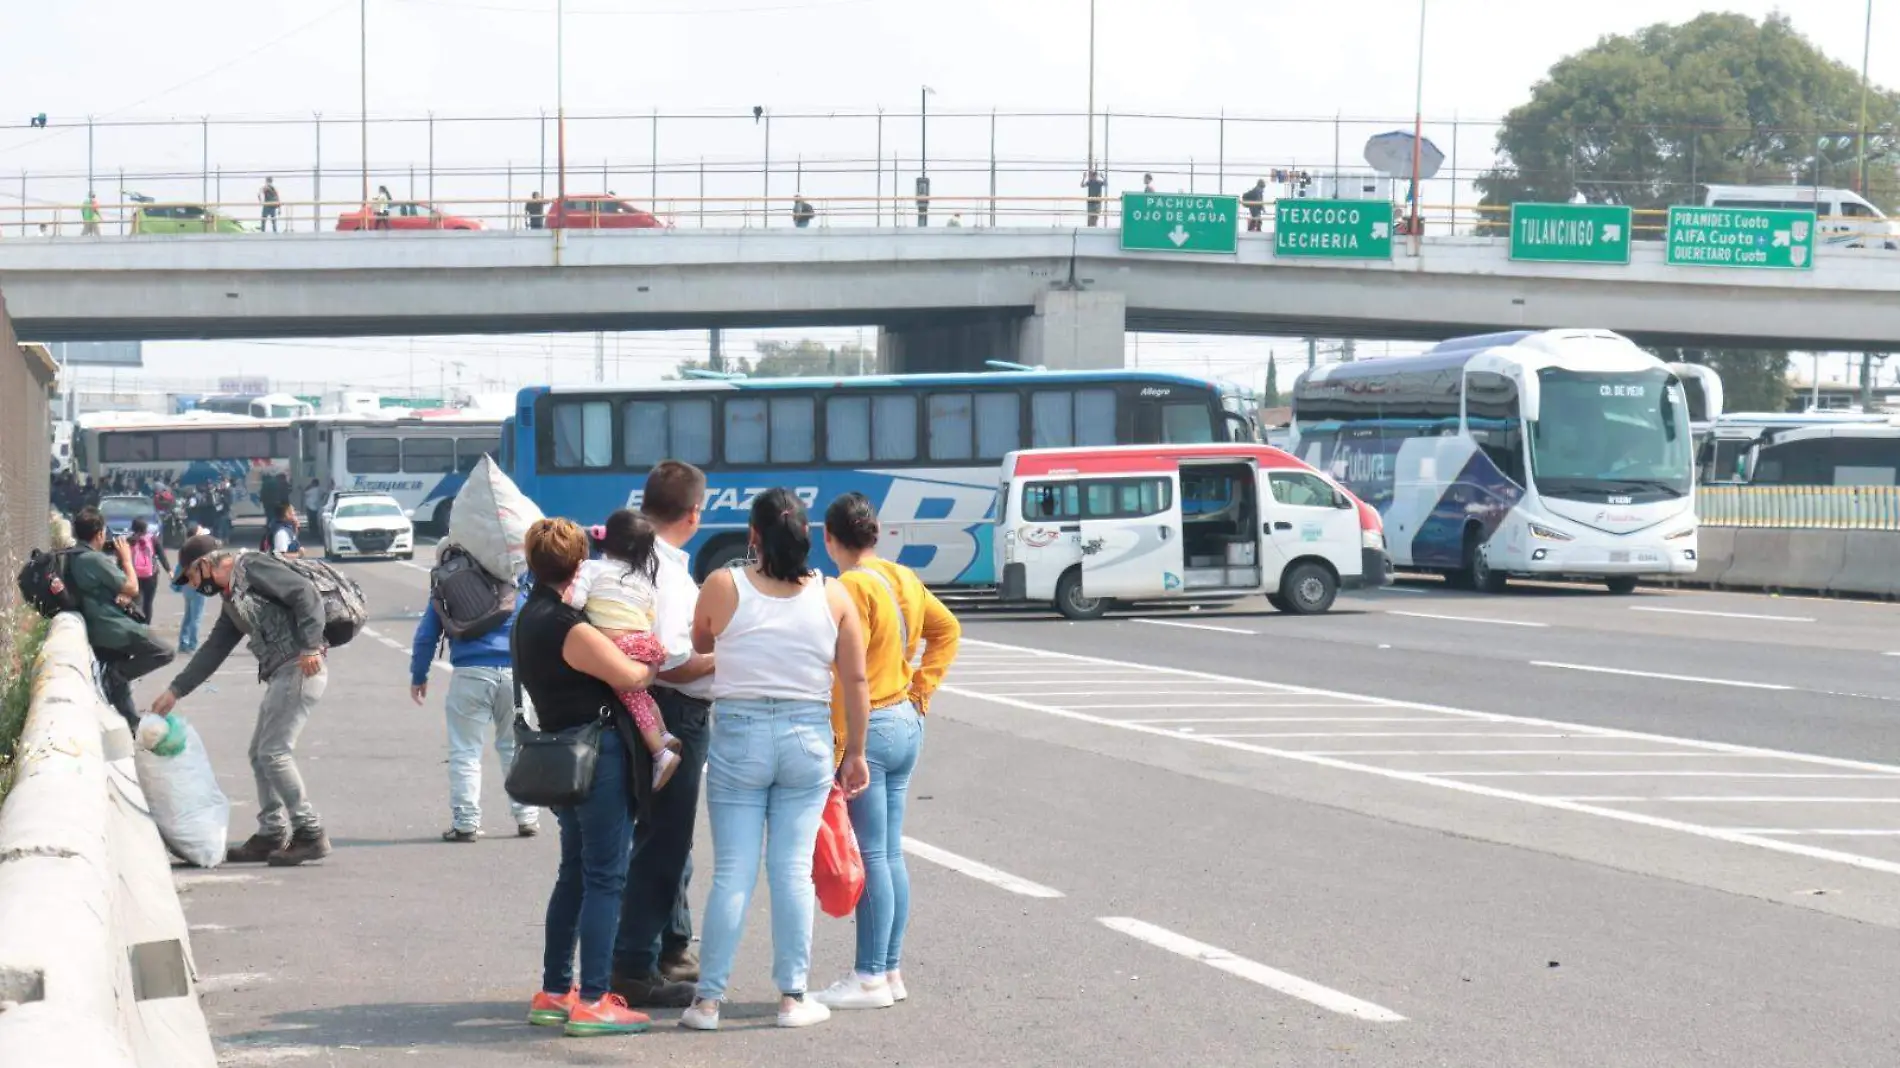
[
  {"x": 978, "y": 870},
  {"x": 1723, "y": 615},
  {"x": 1659, "y": 675},
  {"x": 1467, "y": 619},
  {"x": 1253, "y": 971},
  {"x": 1191, "y": 626}
]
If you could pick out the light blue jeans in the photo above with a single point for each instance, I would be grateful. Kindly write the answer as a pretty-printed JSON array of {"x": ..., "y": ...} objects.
[
  {"x": 481, "y": 703},
  {"x": 767, "y": 775},
  {"x": 891, "y": 749},
  {"x": 188, "y": 626}
]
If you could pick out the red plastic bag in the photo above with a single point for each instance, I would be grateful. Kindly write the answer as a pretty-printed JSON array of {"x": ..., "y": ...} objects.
[{"x": 837, "y": 868}]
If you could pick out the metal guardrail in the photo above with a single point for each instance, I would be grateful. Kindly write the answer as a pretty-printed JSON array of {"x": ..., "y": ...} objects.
[{"x": 1800, "y": 507}]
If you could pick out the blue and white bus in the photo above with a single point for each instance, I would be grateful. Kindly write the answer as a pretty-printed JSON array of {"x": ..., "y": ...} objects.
[
  {"x": 926, "y": 449},
  {"x": 1563, "y": 453},
  {"x": 420, "y": 459}
]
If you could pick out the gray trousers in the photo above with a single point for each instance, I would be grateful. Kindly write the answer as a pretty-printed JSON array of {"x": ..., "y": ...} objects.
[{"x": 282, "y": 805}]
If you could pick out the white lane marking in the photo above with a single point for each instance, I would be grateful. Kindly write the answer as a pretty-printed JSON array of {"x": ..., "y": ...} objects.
[
  {"x": 1660, "y": 675},
  {"x": 977, "y": 870},
  {"x": 1400, "y": 589},
  {"x": 1172, "y": 703},
  {"x": 1840, "y": 833},
  {"x": 1292, "y": 719},
  {"x": 413, "y": 566},
  {"x": 1655, "y": 774},
  {"x": 1465, "y": 619},
  {"x": 1718, "y": 799},
  {"x": 1717, "y": 834},
  {"x": 1252, "y": 971},
  {"x": 1526, "y": 752},
  {"x": 1723, "y": 615},
  {"x": 1189, "y": 693},
  {"x": 1192, "y": 626},
  {"x": 1385, "y": 734}
]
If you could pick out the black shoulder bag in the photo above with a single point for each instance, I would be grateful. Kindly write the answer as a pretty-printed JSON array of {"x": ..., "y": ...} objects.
[{"x": 551, "y": 768}]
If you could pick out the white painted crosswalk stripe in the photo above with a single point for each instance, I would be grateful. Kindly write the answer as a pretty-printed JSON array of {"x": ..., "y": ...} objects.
[
  {"x": 1253, "y": 971},
  {"x": 978, "y": 870}
]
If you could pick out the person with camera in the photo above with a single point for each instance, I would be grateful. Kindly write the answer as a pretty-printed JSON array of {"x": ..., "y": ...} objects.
[{"x": 109, "y": 598}]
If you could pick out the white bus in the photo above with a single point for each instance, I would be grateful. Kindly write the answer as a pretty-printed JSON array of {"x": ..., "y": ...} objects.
[
  {"x": 421, "y": 461},
  {"x": 186, "y": 450},
  {"x": 1084, "y": 528},
  {"x": 1563, "y": 453}
]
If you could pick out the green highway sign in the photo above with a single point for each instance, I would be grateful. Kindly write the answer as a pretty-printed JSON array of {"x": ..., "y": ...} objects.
[
  {"x": 1772, "y": 238},
  {"x": 1179, "y": 222},
  {"x": 1570, "y": 233},
  {"x": 1335, "y": 229}
]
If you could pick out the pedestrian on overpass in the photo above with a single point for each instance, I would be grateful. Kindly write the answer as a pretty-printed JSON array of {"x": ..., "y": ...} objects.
[
  {"x": 780, "y": 632},
  {"x": 281, "y": 612},
  {"x": 537, "y": 207},
  {"x": 898, "y": 613},
  {"x": 89, "y": 215},
  {"x": 653, "y": 955},
  {"x": 1096, "y": 187},
  {"x": 268, "y": 197},
  {"x": 1255, "y": 201}
]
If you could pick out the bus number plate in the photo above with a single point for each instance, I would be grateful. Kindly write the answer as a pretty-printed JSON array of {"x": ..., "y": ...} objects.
[{"x": 1619, "y": 556}]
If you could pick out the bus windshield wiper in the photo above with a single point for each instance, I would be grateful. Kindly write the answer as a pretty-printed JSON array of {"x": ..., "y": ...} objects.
[{"x": 1648, "y": 483}]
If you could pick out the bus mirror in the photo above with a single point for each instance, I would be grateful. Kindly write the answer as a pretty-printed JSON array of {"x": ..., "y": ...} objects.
[
  {"x": 1341, "y": 501},
  {"x": 1528, "y": 397}
]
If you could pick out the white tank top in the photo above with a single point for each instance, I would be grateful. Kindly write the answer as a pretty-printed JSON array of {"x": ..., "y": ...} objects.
[{"x": 777, "y": 646}]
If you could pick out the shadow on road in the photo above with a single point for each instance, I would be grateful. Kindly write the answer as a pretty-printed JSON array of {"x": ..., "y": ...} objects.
[{"x": 471, "y": 1024}]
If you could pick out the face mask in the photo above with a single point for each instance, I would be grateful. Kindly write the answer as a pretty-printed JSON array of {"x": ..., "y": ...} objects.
[{"x": 210, "y": 588}]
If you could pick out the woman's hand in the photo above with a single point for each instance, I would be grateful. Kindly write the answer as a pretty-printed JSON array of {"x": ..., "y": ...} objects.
[{"x": 854, "y": 775}]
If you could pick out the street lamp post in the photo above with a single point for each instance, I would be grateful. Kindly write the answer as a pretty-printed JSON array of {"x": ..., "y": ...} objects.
[
  {"x": 1418, "y": 125},
  {"x": 1091, "y": 166},
  {"x": 560, "y": 102},
  {"x": 1866, "y": 50},
  {"x": 923, "y": 156},
  {"x": 362, "y": 30}
]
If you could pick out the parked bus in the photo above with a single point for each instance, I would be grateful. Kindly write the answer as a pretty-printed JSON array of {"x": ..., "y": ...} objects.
[
  {"x": 1563, "y": 453},
  {"x": 420, "y": 460},
  {"x": 1083, "y": 528},
  {"x": 1726, "y": 454},
  {"x": 924, "y": 448},
  {"x": 187, "y": 450},
  {"x": 1831, "y": 454}
]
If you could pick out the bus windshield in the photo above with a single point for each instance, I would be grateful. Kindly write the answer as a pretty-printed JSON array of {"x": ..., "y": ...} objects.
[{"x": 1601, "y": 434}]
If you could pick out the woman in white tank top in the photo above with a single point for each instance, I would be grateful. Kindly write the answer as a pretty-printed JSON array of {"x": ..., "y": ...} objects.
[{"x": 778, "y": 631}]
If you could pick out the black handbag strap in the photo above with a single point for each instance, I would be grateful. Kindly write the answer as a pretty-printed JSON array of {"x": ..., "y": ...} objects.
[{"x": 514, "y": 667}]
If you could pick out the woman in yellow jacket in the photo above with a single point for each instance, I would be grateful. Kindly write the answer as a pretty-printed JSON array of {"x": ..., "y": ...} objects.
[{"x": 898, "y": 612}]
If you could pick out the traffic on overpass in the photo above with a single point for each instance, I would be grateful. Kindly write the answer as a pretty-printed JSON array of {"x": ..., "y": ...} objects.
[{"x": 1110, "y": 539}]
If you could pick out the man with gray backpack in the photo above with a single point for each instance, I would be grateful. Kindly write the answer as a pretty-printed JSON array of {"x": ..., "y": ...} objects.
[
  {"x": 292, "y": 611},
  {"x": 474, "y": 612}
]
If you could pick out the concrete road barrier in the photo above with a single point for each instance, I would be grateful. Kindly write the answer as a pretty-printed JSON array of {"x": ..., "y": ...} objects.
[
  {"x": 1761, "y": 559},
  {"x": 1870, "y": 564},
  {"x": 1715, "y": 552},
  {"x": 1814, "y": 559},
  {"x": 95, "y": 963}
]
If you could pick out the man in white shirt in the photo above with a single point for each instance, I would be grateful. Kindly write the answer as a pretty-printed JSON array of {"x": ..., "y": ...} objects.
[{"x": 654, "y": 965}]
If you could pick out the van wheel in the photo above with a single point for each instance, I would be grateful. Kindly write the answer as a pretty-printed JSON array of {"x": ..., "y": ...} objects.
[
  {"x": 1279, "y": 603},
  {"x": 1071, "y": 601},
  {"x": 721, "y": 556},
  {"x": 1308, "y": 589},
  {"x": 1621, "y": 584}
]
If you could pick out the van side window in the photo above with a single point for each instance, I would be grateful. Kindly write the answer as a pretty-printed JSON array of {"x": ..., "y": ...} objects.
[
  {"x": 1051, "y": 501},
  {"x": 1301, "y": 489},
  {"x": 1125, "y": 498}
]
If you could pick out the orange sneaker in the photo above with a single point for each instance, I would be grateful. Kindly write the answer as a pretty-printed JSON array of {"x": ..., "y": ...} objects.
[
  {"x": 608, "y": 1016},
  {"x": 551, "y": 1010}
]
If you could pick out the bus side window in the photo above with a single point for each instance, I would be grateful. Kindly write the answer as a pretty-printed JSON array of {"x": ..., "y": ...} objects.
[
  {"x": 428, "y": 456},
  {"x": 583, "y": 434},
  {"x": 1495, "y": 422},
  {"x": 745, "y": 431},
  {"x": 950, "y": 426},
  {"x": 656, "y": 430},
  {"x": 794, "y": 430},
  {"x": 469, "y": 452},
  {"x": 1051, "y": 419},
  {"x": 999, "y": 425}
]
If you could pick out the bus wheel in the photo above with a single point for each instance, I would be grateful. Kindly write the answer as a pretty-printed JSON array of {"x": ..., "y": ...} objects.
[
  {"x": 723, "y": 555},
  {"x": 1477, "y": 573},
  {"x": 442, "y": 513},
  {"x": 1308, "y": 589},
  {"x": 1071, "y": 601},
  {"x": 1621, "y": 584}
]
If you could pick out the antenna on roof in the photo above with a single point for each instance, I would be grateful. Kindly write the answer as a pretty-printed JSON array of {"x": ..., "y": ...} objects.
[{"x": 1005, "y": 365}]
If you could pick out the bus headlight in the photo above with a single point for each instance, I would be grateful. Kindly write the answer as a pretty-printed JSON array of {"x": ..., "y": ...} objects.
[
  {"x": 1538, "y": 530},
  {"x": 1685, "y": 532}
]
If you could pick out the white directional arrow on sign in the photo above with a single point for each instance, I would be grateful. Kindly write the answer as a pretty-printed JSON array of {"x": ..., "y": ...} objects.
[
  {"x": 1612, "y": 232},
  {"x": 1178, "y": 235},
  {"x": 1781, "y": 239},
  {"x": 1381, "y": 229}
]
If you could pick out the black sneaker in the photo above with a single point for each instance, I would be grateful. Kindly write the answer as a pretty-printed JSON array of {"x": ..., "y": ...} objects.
[
  {"x": 680, "y": 966},
  {"x": 653, "y": 992},
  {"x": 527, "y": 830},
  {"x": 256, "y": 849},
  {"x": 304, "y": 846}
]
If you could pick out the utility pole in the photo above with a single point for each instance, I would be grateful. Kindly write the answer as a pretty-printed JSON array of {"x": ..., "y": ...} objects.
[
  {"x": 600, "y": 356},
  {"x": 1091, "y": 167},
  {"x": 1866, "y": 50},
  {"x": 1866, "y": 381},
  {"x": 1312, "y": 353},
  {"x": 362, "y": 29},
  {"x": 715, "y": 356}
]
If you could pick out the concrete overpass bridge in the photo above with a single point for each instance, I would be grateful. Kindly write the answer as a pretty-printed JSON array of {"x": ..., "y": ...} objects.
[{"x": 1062, "y": 297}]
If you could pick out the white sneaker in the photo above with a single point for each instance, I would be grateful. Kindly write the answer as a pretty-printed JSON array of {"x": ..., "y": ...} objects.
[
  {"x": 896, "y": 984},
  {"x": 852, "y": 992},
  {"x": 697, "y": 1019},
  {"x": 804, "y": 1014}
]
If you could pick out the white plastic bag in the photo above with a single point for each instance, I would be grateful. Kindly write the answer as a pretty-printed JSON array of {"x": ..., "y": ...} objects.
[
  {"x": 174, "y": 769},
  {"x": 490, "y": 521}
]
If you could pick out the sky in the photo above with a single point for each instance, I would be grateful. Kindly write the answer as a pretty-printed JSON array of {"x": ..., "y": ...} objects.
[{"x": 1326, "y": 73}]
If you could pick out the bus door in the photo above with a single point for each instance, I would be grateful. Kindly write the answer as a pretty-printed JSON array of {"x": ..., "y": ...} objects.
[
  {"x": 1305, "y": 516},
  {"x": 1131, "y": 537}
]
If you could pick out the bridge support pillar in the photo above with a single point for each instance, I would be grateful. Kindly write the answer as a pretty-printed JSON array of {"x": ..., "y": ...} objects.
[{"x": 1076, "y": 330}]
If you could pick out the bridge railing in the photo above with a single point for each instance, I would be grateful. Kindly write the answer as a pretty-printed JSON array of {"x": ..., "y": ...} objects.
[{"x": 1800, "y": 507}]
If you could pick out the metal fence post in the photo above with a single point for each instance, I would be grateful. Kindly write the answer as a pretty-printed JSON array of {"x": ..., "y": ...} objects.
[
  {"x": 1106, "y": 166},
  {"x": 508, "y": 209},
  {"x": 204, "y": 192},
  {"x": 431, "y": 157},
  {"x": 1454, "y": 174},
  {"x": 992, "y": 166},
  {"x": 765, "y": 205},
  {"x": 89, "y": 180},
  {"x": 702, "y": 192},
  {"x": 1220, "y": 166},
  {"x": 1191, "y": 188},
  {"x": 1335, "y": 153},
  {"x": 316, "y": 180},
  {"x": 541, "y": 181},
  {"x": 877, "y": 183},
  {"x": 654, "y": 168}
]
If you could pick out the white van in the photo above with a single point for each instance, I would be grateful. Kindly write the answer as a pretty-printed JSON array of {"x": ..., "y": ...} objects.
[
  {"x": 1083, "y": 528},
  {"x": 1846, "y": 219}
]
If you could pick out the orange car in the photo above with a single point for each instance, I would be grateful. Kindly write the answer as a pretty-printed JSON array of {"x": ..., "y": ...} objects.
[
  {"x": 592, "y": 211},
  {"x": 405, "y": 215}
]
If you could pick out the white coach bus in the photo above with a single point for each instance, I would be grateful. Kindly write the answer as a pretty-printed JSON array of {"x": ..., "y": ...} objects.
[
  {"x": 1561, "y": 453},
  {"x": 420, "y": 460}
]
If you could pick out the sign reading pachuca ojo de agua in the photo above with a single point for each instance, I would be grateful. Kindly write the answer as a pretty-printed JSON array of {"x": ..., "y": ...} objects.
[{"x": 1179, "y": 222}]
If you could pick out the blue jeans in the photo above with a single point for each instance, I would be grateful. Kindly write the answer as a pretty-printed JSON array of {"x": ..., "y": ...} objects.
[
  {"x": 585, "y": 906},
  {"x": 767, "y": 776},
  {"x": 194, "y": 611},
  {"x": 655, "y": 919},
  {"x": 481, "y": 702},
  {"x": 891, "y": 749}
]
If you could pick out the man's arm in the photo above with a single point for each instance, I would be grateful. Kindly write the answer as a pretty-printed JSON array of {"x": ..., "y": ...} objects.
[
  {"x": 209, "y": 657},
  {"x": 128, "y": 577},
  {"x": 695, "y": 667},
  {"x": 422, "y": 650}
]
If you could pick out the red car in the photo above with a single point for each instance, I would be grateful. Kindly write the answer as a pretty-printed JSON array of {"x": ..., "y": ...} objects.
[
  {"x": 590, "y": 211},
  {"x": 405, "y": 215}
]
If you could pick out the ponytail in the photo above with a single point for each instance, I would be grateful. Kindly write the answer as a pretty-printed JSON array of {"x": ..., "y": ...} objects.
[
  {"x": 783, "y": 535},
  {"x": 628, "y": 539},
  {"x": 852, "y": 522}
]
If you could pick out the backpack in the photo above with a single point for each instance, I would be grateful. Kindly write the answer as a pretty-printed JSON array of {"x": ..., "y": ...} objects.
[
  {"x": 46, "y": 582},
  {"x": 345, "y": 610},
  {"x": 144, "y": 565},
  {"x": 469, "y": 600}
]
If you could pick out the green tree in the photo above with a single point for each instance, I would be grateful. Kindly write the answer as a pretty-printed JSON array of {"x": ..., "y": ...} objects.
[
  {"x": 804, "y": 358},
  {"x": 1272, "y": 399},
  {"x": 1650, "y": 118},
  {"x": 1753, "y": 380}
]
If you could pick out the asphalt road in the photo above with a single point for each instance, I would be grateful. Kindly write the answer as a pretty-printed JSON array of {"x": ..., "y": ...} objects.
[{"x": 1394, "y": 836}]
